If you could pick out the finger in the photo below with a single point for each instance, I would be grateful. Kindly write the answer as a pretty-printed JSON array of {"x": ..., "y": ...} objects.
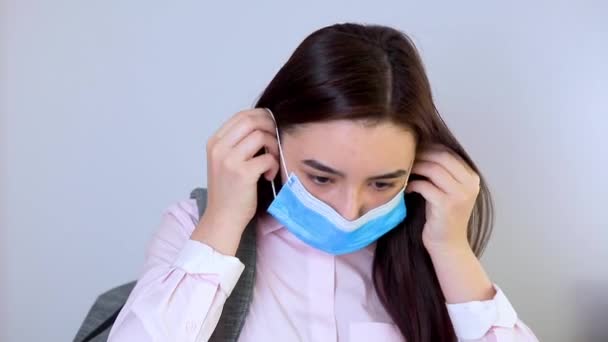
[
  {"x": 427, "y": 189},
  {"x": 236, "y": 118},
  {"x": 438, "y": 175},
  {"x": 245, "y": 126},
  {"x": 266, "y": 164},
  {"x": 458, "y": 157},
  {"x": 228, "y": 124},
  {"x": 253, "y": 143},
  {"x": 272, "y": 173},
  {"x": 447, "y": 159}
]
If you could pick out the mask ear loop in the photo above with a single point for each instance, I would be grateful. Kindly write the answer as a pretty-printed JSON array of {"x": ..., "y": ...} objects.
[
  {"x": 409, "y": 176},
  {"x": 274, "y": 192}
]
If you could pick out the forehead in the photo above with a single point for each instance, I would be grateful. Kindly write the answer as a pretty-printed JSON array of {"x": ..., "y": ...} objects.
[{"x": 347, "y": 144}]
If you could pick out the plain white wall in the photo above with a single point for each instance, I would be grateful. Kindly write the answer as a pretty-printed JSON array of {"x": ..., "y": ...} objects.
[{"x": 106, "y": 107}]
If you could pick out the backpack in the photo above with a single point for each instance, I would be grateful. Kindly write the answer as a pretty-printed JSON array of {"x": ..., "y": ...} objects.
[{"x": 100, "y": 318}]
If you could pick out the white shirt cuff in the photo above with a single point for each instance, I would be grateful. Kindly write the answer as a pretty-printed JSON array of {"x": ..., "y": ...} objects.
[
  {"x": 199, "y": 258},
  {"x": 473, "y": 320}
]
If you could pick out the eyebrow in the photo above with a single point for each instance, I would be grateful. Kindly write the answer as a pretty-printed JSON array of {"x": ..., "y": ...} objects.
[{"x": 324, "y": 168}]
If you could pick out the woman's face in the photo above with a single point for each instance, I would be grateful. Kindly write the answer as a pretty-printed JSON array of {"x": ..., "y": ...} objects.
[{"x": 350, "y": 165}]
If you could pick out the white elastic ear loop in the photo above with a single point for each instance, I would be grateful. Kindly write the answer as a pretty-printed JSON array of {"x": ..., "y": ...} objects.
[
  {"x": 409, "y": 174},
  {"x": 274, "y": 192}
]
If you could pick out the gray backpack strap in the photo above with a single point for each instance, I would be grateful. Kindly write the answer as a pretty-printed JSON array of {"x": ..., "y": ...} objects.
[
  {"x": 96, "y": 325},
  {"x": 237, "y": 305},
  {"x": 200, "y": 195}
]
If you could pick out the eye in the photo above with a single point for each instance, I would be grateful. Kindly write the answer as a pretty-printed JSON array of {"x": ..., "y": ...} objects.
[
  {"x": 319, "y": 180},
  {"x": 382, "y": 185}
]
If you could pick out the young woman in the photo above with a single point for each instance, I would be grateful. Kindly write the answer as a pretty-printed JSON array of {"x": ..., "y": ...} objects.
[{"x": 367, "y": 216}]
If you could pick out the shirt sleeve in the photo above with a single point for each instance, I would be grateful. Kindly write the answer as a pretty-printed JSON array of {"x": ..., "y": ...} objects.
[
  {"x": 183, "y": 287},
  {"x": 490, "y": 320}
]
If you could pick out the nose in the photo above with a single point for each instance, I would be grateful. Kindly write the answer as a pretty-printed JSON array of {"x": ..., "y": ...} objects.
[{"x": 352, "y": 206}]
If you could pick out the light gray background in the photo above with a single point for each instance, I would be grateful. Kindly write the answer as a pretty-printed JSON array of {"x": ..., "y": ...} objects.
[{"x": 106, "y": 107}]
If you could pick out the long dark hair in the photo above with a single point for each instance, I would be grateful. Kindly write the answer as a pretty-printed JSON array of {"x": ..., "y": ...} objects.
[{"x": 374, "y": 73}]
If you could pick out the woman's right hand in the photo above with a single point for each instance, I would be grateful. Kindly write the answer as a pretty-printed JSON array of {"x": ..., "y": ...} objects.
[{"x": 232, "y": 176}]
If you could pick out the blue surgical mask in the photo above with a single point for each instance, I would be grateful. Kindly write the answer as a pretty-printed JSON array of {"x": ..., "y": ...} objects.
[{"x": 320, "y": 226}]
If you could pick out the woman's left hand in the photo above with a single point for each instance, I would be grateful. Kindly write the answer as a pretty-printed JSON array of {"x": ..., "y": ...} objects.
[{"x": 450, "y": 190}]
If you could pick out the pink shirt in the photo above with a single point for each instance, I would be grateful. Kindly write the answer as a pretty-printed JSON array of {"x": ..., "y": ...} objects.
[{"x": 300, "y": 293}]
